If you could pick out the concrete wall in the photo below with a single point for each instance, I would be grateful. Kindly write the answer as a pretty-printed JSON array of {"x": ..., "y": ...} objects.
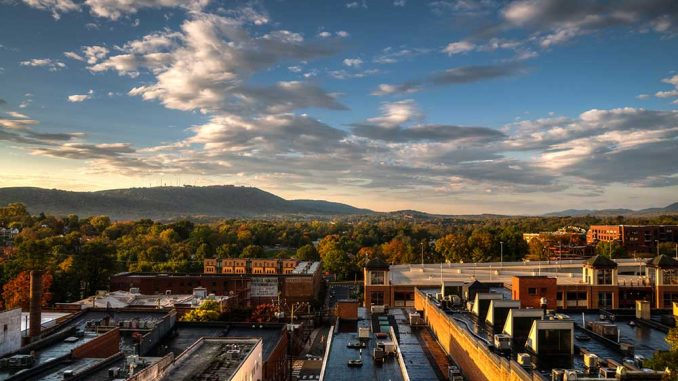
[
  {"x": 149, "y": 340},
  {"x": 10, "y": 331},
  {"x": 154, "y": 371},
  {"x": 471, "y": 354}
]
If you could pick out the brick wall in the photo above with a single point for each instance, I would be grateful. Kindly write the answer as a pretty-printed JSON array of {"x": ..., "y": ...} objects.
[
  {"x": 347, "y": 310},
  {"x": 530, "y": 289},
  {"x": 476, "y": 361},
  {"x": 103, "y": 346}
]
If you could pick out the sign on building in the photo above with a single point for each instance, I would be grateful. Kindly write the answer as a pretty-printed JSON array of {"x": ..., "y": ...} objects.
[{"x": 265, "y": 287}]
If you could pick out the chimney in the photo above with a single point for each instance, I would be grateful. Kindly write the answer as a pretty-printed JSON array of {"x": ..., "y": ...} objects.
[{"x": 35, "y": 308}]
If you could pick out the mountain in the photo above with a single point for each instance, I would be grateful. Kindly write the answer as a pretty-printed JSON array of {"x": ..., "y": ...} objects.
[
  {"x": 171, "y": 202},
  {"x": 670, "y": 209}
]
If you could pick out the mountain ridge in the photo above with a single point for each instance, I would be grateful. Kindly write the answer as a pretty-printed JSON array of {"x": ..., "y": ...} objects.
[{"x": 171, "y": 202}]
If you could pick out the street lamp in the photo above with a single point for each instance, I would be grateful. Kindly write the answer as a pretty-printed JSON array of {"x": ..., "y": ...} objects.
[{"x": 501, "y": 253}]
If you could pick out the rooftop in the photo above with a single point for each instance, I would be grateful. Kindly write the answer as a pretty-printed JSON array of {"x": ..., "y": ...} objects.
[
  {"x": 187, "y": 333},
  {"x": 212, "y": 358}
]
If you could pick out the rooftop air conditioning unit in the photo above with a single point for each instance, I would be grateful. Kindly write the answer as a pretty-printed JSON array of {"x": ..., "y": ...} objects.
[
  {"x": 525, "y": 360},
  {"x": 233, "y": 354},
  {"x": 134, "y": 290}
]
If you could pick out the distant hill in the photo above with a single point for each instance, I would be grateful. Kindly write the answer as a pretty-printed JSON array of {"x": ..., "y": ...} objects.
[
  {"x": 671, "y": 209},
  {"x": 171, "y": 202}
]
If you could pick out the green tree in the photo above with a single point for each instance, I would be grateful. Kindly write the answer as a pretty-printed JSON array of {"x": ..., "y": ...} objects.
[
  {"x": 337, "y": 262},
  {"x": 209, "y": 310},
  {"x": 253, "y": 251},
  {"x": 536, "y": 250},
  {"x": 307, "y": 253},
  {"x": 612, "y": 249},
  {"x": 454, "y": 248}
]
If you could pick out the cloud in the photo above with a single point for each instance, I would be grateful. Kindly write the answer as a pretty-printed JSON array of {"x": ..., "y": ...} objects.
[
  {"x": 399, "y": 3},
  {"x": 74, "y": 56},
  {"x": 112, "y": 9},
  {"x": 355, "y": 4},
  {"x": 353, "y": 62},
  {"x": 56, "y": 7},
  {"x": 453, "y": 76},
  {"x": 558, "y": 21},
  {"x": 392, "y": 126},
  {"x": 51, "y": 65},
  {"x": 229, "y": 55},
  {"x": 459, "y": 47},
  {"x": 15, "y": 114},
  {"x": 77, "y": 98},
  {"x": 390, "y": 56}
]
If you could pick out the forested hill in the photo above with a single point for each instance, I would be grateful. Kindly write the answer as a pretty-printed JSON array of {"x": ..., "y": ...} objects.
[{"x": 170, "y": 202}]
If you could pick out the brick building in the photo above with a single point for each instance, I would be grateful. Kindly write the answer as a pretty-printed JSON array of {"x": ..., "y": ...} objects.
[
  {"x": 530, "y": 290},
  {"x": 634, "y": 238},
  {"x": 300, "y": 284}
]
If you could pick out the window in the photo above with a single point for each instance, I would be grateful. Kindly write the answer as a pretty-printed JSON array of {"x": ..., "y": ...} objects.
[
  {"x": 377, "y": 277},
  {"x": 605, "y": 300},
  {"x": 605, "y": 276},
  {"x": 532, "y": 291},
  {"x": 377, "y": 297},
  {"x": 670, "y": 276},
  {"x": 669, "y": 298}
]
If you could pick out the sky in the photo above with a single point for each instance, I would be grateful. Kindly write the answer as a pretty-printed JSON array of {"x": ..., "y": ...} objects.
[{"x": 455, "y": 107}]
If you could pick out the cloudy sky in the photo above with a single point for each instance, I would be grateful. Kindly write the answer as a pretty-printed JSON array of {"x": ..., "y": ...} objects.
[{"x": 442, "y": 106}]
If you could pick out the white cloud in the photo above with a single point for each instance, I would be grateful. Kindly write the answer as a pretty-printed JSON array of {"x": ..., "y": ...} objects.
[
  {"x": 342, "y": 34},
  {"x": 57, "y": 7},
  {"x": 50, "y": 64},
  {"x": 76, "y": 98},
  {"x": 74, "y": 56},
  {"x": 324, "y": 34},
  {"x": 353, "y": 62},
  {"x": 15, "y": 114},
  {"x": 94, "y": 53},
  {"x": 399, "y": 3},
  {"x": 112, "y": 9},
  {"x": 459, "y": 47},
  {"x": 666, "y": 94}
]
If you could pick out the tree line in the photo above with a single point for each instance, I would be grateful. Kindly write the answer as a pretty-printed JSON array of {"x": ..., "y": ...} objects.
[{"x": 78, "y": 255}]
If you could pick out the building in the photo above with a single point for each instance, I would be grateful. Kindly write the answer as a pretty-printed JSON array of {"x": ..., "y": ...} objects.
[
  {"x": 250, "y": 285},
  {"x": 532, "y": 290},
  {"x": 182, "y": 303},
  {"x": 217, "y": 358},
  {"x": 10, "y": 321},
  {"x": 633, "y": 238},
  {"x": 597, "y": 282}
]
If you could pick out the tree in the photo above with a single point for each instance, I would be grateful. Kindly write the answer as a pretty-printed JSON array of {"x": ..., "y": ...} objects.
[
  {"x": 307, "y": 253},
  {"x": 16, "y": 292},
  {"x": 253, "y": 251},
  {"x": 536, "y": 250},
  {"x": 337, "y": 262},
  {"x": 480, "y": 243},
  {"x": 100, "y": 223},
  {"x": 209, "y": 310},
  {"x": 454, "y": 248},
  {"x": 398, "y": 250},
  {"x": 612, "y": 249}
]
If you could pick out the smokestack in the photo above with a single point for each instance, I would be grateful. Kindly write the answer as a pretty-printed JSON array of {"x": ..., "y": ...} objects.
[{"x": 36, "y": 297}]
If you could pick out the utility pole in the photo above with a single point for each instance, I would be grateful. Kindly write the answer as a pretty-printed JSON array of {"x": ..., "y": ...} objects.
[
  {"x": 422, "y": 255},
  {"x": 501, "y": 253}
]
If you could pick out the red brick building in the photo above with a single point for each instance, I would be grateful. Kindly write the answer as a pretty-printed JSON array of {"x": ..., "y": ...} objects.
[
  {"x": 530, "y": 290},
  {"x": 634, "y": 238}
]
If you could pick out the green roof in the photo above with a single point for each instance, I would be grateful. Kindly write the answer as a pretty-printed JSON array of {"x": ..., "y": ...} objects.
[
  {"x": 663, "y": 262},
  {"x": 601, "y": 261}
]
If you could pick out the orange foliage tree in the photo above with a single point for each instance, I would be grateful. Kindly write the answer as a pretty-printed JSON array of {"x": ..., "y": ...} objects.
[{"x": 16, "y": 292}]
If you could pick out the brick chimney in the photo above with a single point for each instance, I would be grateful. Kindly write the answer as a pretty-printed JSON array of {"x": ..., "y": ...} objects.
[{"x": 35, "y": 308}]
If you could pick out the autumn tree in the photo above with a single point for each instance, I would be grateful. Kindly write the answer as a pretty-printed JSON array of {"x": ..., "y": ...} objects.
[
  {"x": 16, "y": 292},
  {"x": 209, "y": 310},
  {"x": 454, "y": 248}
]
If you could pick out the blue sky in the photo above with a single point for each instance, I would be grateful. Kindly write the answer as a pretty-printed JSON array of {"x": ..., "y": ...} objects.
[{"x": 443, "y": 106}]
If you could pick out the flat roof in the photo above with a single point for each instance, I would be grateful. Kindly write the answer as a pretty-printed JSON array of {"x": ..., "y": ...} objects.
[
  {"x": 189, "y": 333},
  {"x": 566, "y": 272},
  {"x": 339, "y": 355},
  {"x": 209, "y": 359}
]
